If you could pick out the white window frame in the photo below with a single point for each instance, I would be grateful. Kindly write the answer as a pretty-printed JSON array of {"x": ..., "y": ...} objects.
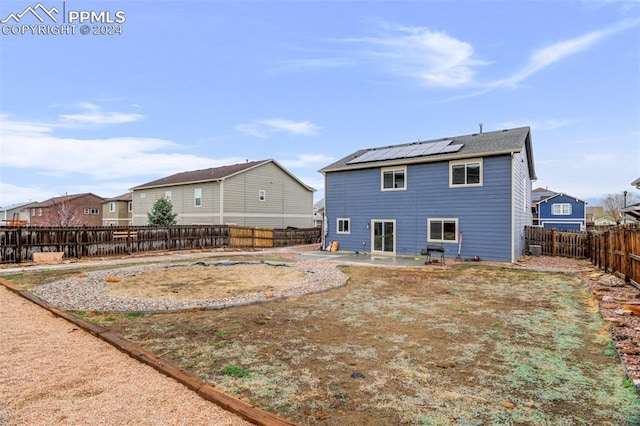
[
  {"x": 340, "y": 228},
  {"x": 466, "y": 163},
  {"x": 442, "y": 220},
  {"x": 143, "y": 195},
  {"x": 91, "y": 211},
  {"x": 167, "y": 195},
  {"x": 197, "y": 197},
  {"x": 130, "y": 206},
  {"x": 384, "y": 170},
  {"x": 39, "y": 212},
  {"x": 561, "y": 209},
  {"x": 262, "y": 195},
  {"x": 112, "y": 206}
]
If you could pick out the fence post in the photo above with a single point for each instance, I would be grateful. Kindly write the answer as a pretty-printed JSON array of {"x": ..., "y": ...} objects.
[
  {"x": 625, "y": 264},
  {"x": 19, "y": 245},
  {"x": 553, "y": 242}
]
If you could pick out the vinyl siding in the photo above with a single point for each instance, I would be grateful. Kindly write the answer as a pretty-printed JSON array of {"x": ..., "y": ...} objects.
[
  {"x": 574, "y": 221},
  {"x": 287, "y": 202},
  {"x": 483, "y": 213},
  {"x": 521, "y": 203}
]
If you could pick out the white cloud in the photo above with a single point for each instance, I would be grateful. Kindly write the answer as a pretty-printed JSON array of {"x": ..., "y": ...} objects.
[
  {"x": 308, "y": 160},
  {"x": 435, "y": 58},
  {"x": 262, "y": 128},
  {"x": 547, "y": 56},
  {"x": 539, "y": 125},
  {"x": 93, "y": 114},
  {"x": 35, "y": 146}
]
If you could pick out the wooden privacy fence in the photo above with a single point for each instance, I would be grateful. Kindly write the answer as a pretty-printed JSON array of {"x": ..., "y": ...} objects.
[
  {"x": 617, "y": 250},
  {"x": 555, "y": 242},
  {"x": 18, "y": 244}
]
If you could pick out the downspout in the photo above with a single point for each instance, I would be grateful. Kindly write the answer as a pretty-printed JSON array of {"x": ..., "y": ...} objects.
[
  {"x": 221, "y": 182},
  {"x": 513, "y": 210}
]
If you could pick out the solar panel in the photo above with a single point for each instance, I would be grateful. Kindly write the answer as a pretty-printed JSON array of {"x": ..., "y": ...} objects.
[{"x": 418, "y": 149}]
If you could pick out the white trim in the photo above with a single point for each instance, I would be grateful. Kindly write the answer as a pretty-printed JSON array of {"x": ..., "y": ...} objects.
[
  {"x": 561, "y": 209},
  {"x": 393, "y": 169},
  {"x": 442, "y": 219},
  {"x": 262, "y": 195},
  {"x": 395, "y": 233},
  {"x": 195, "y": 197},
  {"x": 466, "y": 162},
  {"x": 343, "y": 219}
]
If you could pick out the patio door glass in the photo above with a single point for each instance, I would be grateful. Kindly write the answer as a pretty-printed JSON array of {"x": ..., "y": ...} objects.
[{"x": 383, "y": 236}]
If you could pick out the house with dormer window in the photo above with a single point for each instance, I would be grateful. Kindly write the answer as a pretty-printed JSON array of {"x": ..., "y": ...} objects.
[{"x": 469, "y": 194}]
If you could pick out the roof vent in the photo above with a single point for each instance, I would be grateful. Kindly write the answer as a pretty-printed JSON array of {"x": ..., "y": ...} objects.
[{"x": 480, "y": 128}]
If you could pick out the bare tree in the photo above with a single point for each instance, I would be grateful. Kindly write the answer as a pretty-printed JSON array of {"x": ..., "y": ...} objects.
[
  {"x": 63, "y": 214},
  {"x": 616, "y": 202}
]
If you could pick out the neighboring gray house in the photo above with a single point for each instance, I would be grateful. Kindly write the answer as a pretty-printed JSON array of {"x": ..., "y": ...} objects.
[
  {"x": 117, "y": 211},
  {"x": 470, "y": 193},
  {"x": 257, "y": 193},
  {"x": 19, "y": 212}
]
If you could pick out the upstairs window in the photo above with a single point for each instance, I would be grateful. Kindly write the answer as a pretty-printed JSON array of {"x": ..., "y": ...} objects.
[
  {"x": 562, "y": 209},
  {"x": 394, "y": 178},
  {"x": 112, "y": 206},
  {"x": 197, "y": 197},
  {"x": 465, "y": 173},
  {"x": 167, "y": 195},
  {"x": 262, "y": 195},
  {"x": 130, "y": 206},
  {"x": 91, "y": 211}
]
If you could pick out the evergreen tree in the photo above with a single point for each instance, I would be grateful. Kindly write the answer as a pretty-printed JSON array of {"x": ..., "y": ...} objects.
[{"x": 162, "y": 213}]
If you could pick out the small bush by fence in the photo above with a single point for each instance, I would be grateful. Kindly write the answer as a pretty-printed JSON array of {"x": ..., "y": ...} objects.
[{"x": 18, "y": 244}]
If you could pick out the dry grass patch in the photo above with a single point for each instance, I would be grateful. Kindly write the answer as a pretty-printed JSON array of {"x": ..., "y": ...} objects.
[{"x": 469, "y": 345}]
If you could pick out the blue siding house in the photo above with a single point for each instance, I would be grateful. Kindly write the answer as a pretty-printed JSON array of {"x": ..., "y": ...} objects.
[
  {"x": 560, "y": 211},
  {"x": 467, "y": 193}
]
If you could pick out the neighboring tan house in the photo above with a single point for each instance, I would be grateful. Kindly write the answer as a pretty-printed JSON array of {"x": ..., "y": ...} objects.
[
  {"x": 470, "y": 193},
  {"x": 15, "y": 214},
  {"x": 597, "y": 217},
  {"x": 117, "y": 211},
  {"x": 68, "y": 210},
  {"x": 257, "y": 193},
  {"x": 558, "y": 210}
]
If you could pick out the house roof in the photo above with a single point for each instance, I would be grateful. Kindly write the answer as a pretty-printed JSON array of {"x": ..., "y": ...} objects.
[
  {"x": 16, "y": 206},
  {"x": 539, "y": 194},
  {"x": 213, "y": 174},
  {"x": 636, "y": 183},
  {"x": 632, "y": 210},
  {"x": 484, "y": 144},
  {"x": 124, "y": 197},
  {"x": 64, "y": 198},
  {"x": 558, "y": 194}
]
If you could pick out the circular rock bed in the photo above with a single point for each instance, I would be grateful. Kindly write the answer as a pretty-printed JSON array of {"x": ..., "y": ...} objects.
[{"x": 172, "y": 288}]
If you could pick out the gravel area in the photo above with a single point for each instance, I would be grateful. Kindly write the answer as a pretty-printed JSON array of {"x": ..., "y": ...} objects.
[
  {"x": 89, "y": 293},
  {"x": 56, "y": 374}
]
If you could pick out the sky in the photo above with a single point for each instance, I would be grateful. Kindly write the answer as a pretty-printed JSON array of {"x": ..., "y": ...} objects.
[{"x": 174, "y": 86}]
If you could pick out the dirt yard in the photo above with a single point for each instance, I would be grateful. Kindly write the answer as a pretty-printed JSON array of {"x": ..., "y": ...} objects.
[
  {"x": 196, "y": 282},
  {"x": 470, "y": 344}
]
